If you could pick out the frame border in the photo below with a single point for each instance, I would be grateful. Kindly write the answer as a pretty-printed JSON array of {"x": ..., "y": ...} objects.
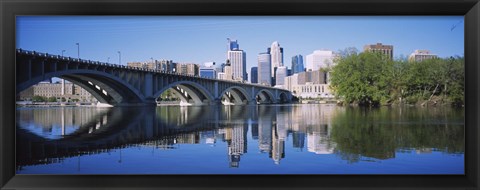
[{"x": 11, "y": 8}]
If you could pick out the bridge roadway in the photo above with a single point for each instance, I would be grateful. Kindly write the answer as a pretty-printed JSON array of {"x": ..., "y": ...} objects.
[{"x": 122, "y": 85}]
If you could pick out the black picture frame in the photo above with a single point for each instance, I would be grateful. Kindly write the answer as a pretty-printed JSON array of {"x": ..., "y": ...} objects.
[{"x": 11, "y": 8}]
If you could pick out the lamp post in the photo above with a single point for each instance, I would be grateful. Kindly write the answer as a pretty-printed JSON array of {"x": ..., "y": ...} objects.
[
  {"x": 119, "y": 58},
  {"x": 78, "y": 50},
  {"x": 63, "y": 52},
  {"x": 108, "y": 60}
]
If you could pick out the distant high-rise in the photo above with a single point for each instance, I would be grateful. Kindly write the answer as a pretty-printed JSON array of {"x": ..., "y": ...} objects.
[
  {"x": 280, "y": 75},
  {"x": 254, "y": 75},
  {"x": 319, "y": 59},
  {"x": 238, "y": 61},
  {"x": 232, "y": 45},
  {"x": 264, "y": 68},
  {"x": 381, "y": 48},
  {"x": 228, "y": 71},
  {"x": 297, "y": 64},
  {"x": 420, "y": 55},
  {"x": 276, "y": 53}
]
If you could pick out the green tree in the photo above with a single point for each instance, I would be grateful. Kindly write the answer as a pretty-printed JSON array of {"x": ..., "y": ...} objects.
[
  {"x": 52, "y": 99},
  {"x": 455, "y": 80},
  {"x": 38, "y": 98},
  {"x": 436, "y": 77},
  {"x": 363, "y": 78}
]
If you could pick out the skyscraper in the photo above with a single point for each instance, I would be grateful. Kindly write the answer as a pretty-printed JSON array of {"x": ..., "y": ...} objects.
[
  {"x": 381, "y": 48},
  {"x": 232, "y": 45},
  {"x": 280, "y": 75},
  {"x": 228, "y": 71},
  {"x": 254, "y": 75},
  {"x": 297, "y": 64},
  {"x": 238, "y": 61},
  {"x": 276, "y": 53},
  {"x": 264, "y": 69}
]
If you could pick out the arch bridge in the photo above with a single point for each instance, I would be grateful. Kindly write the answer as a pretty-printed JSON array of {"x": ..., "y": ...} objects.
[{"x": 122, "y": 85}]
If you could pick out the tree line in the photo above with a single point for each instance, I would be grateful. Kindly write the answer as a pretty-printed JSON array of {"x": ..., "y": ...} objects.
[
  {"x": 38, "y": 98},
  {"x": 373, "y": 79}
]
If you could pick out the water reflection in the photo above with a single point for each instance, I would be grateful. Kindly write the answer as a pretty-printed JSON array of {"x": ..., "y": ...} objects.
[{"x": 352, "y": 134}]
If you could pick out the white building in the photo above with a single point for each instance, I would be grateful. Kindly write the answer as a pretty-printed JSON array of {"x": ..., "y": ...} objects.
[
  {"x": 264, "y": 68},
  {"x": 420, "y": 55},
  {"x": 310, "y": 84},
  {"x": 228, "y": 72},
  {"x": 280, "y": 76},
  {"x": 238, "y": 63},
  {"x": 320, "y": 59},
  {"x": 276, "y": 53},
  {"x": 221, "y": 75}
]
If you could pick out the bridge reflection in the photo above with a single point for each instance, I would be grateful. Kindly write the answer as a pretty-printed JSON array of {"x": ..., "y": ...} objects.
[{"x": 51, "y": 135}]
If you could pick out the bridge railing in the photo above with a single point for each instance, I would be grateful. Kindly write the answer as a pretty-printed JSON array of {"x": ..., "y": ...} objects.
[{"x": 46, "y": 55}]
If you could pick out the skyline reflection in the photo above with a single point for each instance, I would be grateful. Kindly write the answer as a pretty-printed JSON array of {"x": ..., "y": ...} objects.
[{"x": 351, "y": 134}]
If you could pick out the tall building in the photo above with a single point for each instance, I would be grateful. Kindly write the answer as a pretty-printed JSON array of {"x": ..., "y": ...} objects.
[
  {"x": 381, "y": 48},
  {"x": 297, "y": 64},
  {"x": 280, "y": 76},
  {"x": 254, "y": 75},
  {"x": 420, "y": 55},
  {"x": 228, "y": 71},
  {"x": 232, "y": 45},
  {"x": 264, "y": 69},
  {"x": 276, "y": 53},
  {"x": 238, "y": 62},
  {"x": 320, "y": 59}
]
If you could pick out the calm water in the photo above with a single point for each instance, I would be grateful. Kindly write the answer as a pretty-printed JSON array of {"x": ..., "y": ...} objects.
[{"x": 266, "y": 139}]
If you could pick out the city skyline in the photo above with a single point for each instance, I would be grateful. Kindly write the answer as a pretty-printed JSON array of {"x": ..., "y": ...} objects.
[{"x": 140, "y": 38}]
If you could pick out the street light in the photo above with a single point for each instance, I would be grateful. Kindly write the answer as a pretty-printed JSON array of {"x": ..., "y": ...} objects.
[
  {"x": 78, "y": 50},
  {"x": 108, "y": 60},
  {"x": 119, "y": 57},
  {"x": 63, "y": 52}
]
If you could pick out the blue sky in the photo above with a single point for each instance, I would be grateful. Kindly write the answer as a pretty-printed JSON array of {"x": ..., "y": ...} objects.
[{"x": 200, "y": 39}]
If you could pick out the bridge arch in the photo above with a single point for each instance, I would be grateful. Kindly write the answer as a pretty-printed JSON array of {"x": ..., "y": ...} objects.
[
  {"x": 264, "y": 96},
  {"x": 239, "y": 94},
  {"x": 197, "y": 92},
  {"x": 117, "y": 90},
  {"x": 282, "y": 97}
]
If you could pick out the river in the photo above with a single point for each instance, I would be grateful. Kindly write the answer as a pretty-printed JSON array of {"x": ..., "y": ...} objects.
[{"x": 253, "y": 139}]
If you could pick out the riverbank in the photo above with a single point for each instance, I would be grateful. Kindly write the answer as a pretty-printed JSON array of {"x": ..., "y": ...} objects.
[{"x": 55, "y": 104}]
